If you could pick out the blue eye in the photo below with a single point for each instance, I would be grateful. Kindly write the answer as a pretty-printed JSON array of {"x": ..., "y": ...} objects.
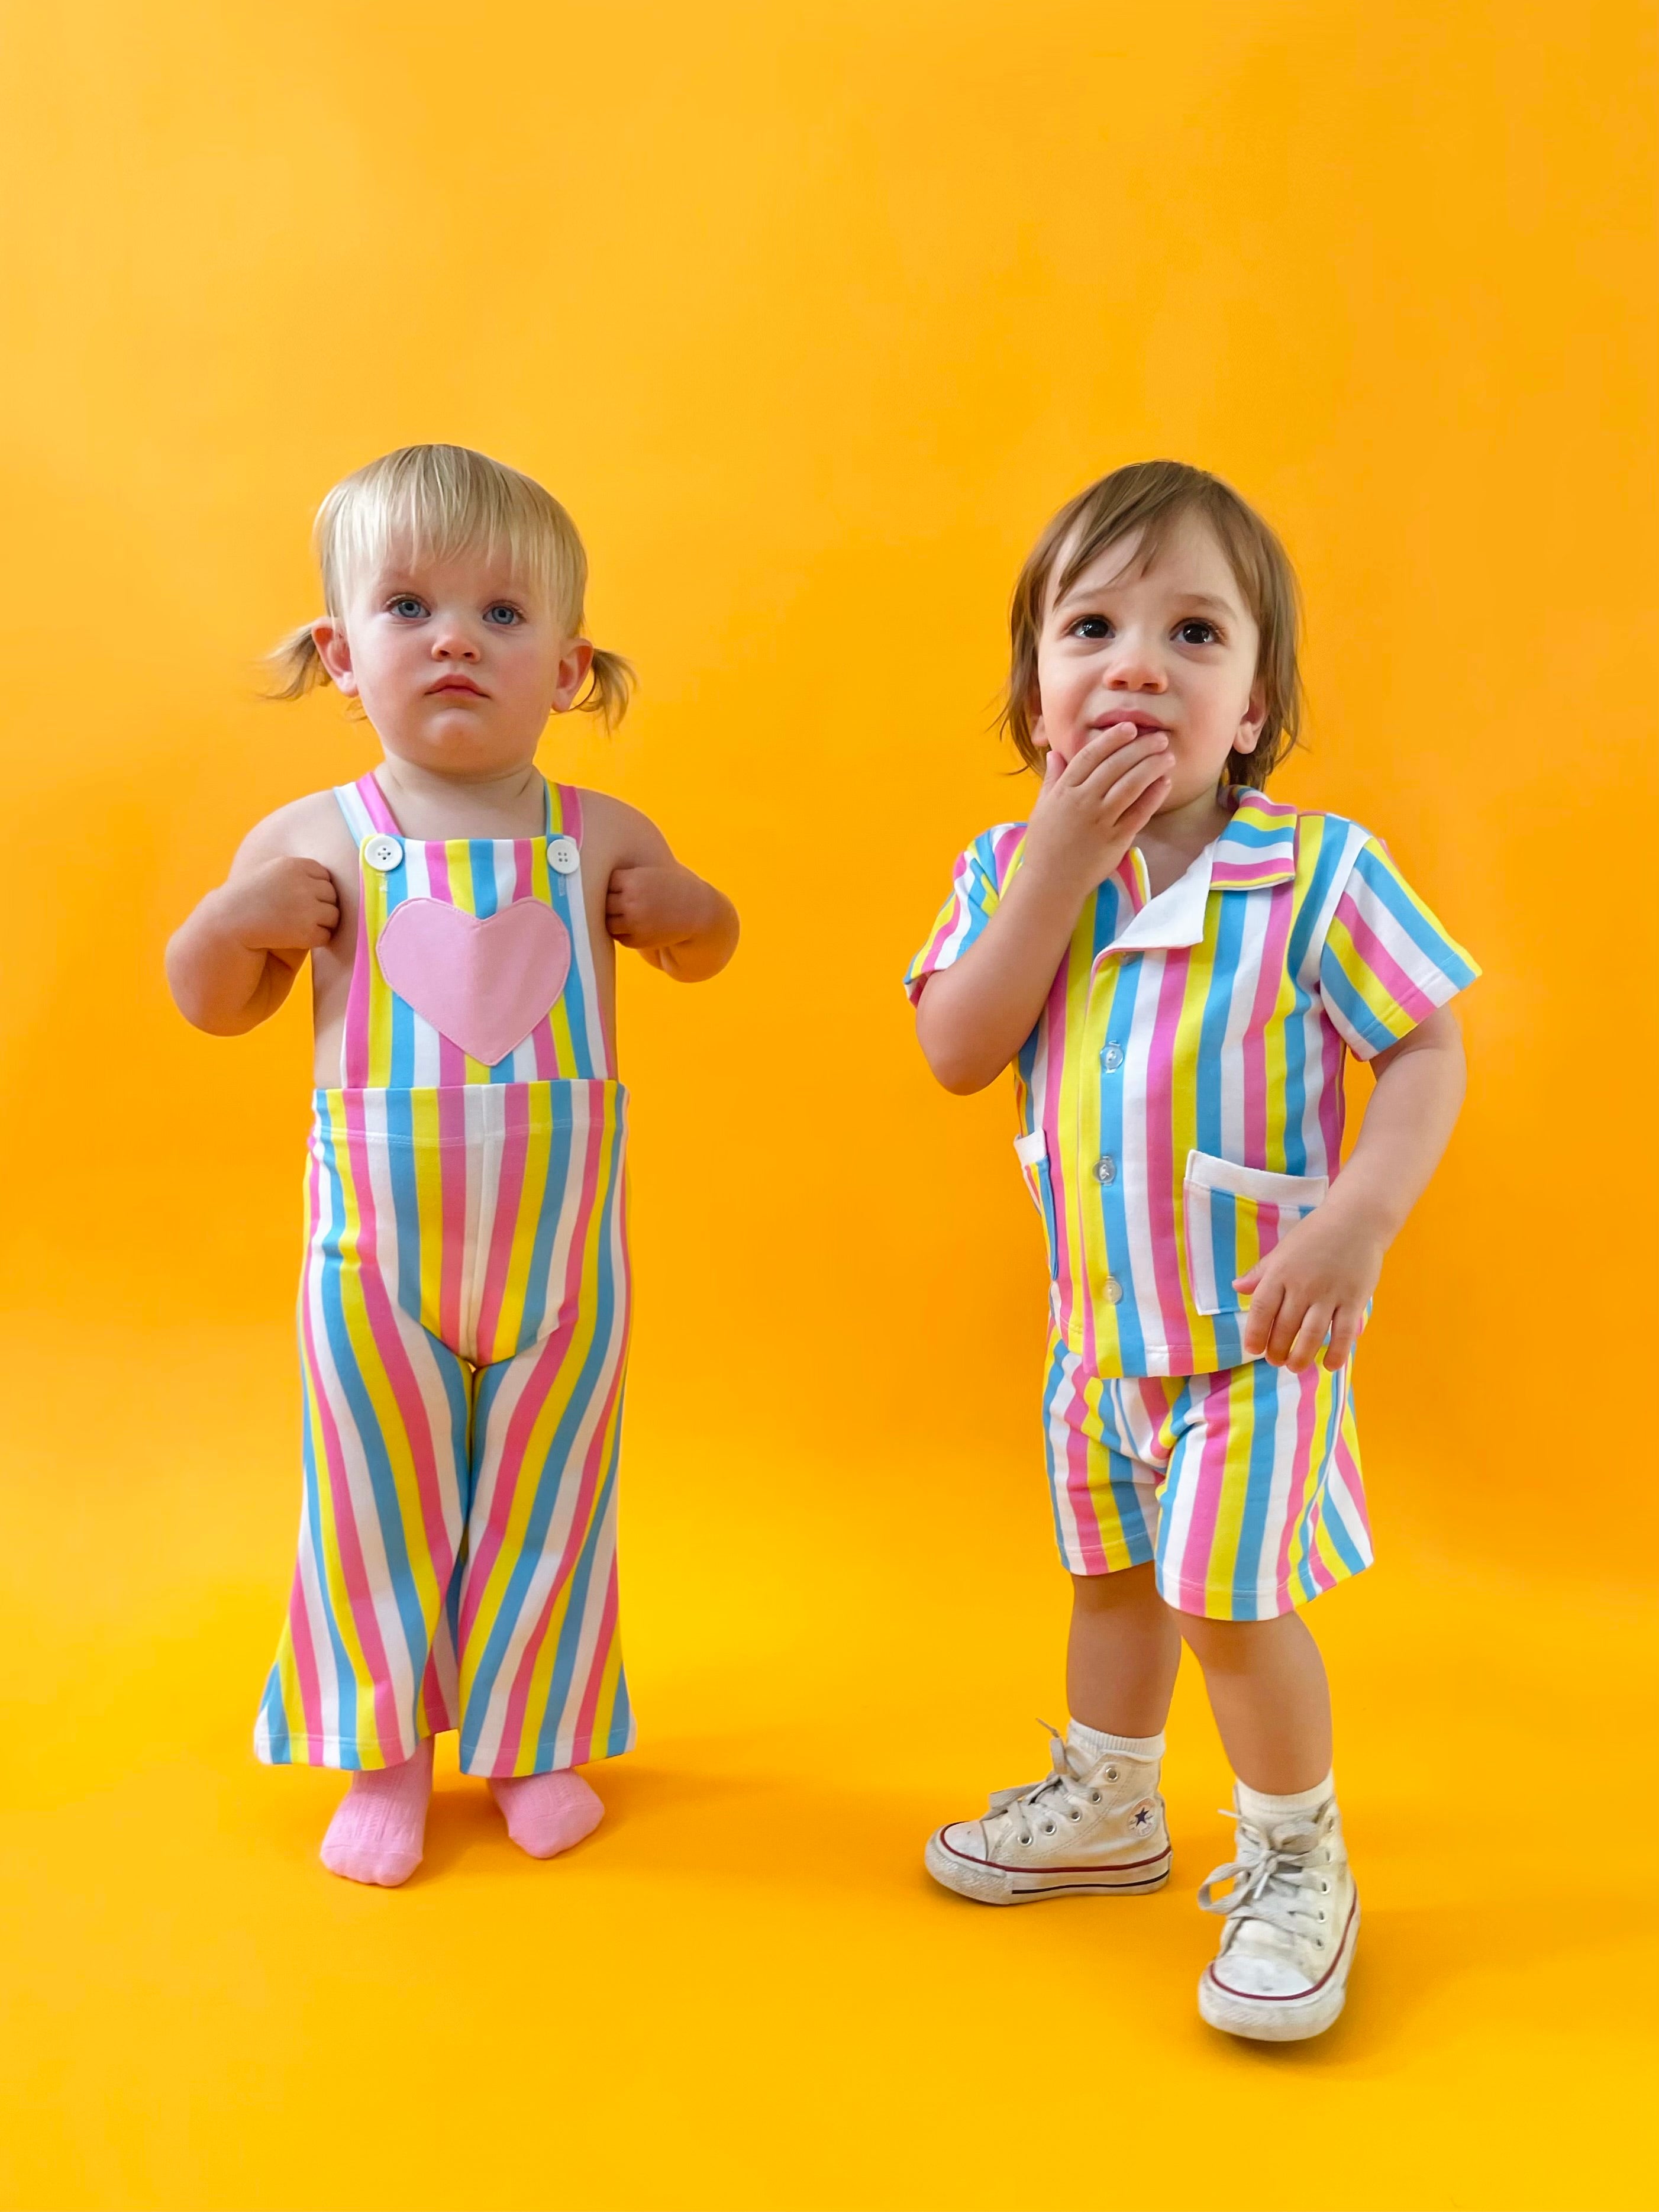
[
  {"x": 1210, "y": 635},
  {"x": 407, "y": 606},
  {"x": 502, "y": 615}
]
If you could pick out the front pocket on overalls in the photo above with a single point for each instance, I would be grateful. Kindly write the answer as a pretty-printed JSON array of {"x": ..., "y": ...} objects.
[
  {"x": 1234, "y": 1217},
  {"x": 1032, "y": 1153}
]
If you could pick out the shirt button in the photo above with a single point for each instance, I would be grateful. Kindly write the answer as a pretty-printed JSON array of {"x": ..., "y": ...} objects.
[
  {"x": 1106, "y": 1170},
  {"x": 1112, "y": 1290},
  {"x": 1112, "y": 1059},
  {"x": 383, "y": 854},
  {"x": 564, "y": 856}
]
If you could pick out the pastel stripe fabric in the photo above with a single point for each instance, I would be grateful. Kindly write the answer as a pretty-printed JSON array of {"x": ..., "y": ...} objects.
[
  {"x": 385, "y": 1041},
  {"x": 1180, "y": 1099},
  {"x": 463, "y": 1318},
  {"x": 1243, "y": 1487}
]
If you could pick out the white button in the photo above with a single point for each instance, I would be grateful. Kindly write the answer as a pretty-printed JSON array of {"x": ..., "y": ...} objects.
[
  {"x": 1112, "y": 1290},
  {"x": 1106, "y": 1170},
  {"x": 564, "y": 856},
  {"x": 1112, "y": 1059},
  {"x": 383, "y": 854}
]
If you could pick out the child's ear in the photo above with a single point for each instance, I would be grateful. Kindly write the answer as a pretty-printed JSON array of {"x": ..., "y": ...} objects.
[
  {"x": 1249, "y": 734},
  {"x": 333, "y": 651},
  {"x": 574, "y": 664}
]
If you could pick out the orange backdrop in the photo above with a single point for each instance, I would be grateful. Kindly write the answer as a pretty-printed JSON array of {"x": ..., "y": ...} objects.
[{"x": 811, "y": 316}]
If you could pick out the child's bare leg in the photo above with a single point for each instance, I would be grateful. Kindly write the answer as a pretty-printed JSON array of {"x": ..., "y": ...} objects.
[
  {"x": 379, "y": 1830},
  {"x": 1124, "y": 1650},
  {"x": 1270, "y": 1700}
]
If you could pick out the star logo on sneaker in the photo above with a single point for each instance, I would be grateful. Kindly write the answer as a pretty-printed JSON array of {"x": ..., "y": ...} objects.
[{"x": 1143, "y": 1818}]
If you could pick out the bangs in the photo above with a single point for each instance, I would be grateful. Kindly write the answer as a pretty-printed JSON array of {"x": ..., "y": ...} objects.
[{"x": 434, "y": 502}]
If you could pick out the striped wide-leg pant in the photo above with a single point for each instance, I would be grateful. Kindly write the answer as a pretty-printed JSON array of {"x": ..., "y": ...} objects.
[{"x": 464, "y": 1319}]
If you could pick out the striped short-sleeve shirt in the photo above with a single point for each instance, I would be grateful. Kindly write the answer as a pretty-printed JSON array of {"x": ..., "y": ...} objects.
[{"x": 1180, "y": 1098}]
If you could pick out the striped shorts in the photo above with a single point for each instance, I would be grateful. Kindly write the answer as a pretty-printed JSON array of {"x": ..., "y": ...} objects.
[{"x": 1243, "y": 1487}]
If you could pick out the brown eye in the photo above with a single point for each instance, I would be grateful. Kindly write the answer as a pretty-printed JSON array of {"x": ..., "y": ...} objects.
[{"x": 1199, "y": 633}]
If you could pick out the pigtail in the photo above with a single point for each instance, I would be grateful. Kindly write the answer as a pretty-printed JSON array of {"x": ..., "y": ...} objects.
[
  {"x": 610, "y": 681},
  {"x": 295, "y": 664}
]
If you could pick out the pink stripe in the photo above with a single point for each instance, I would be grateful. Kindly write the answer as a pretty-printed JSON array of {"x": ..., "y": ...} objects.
[
  {"x": 1264, "y": 870},
  {"x": 1077, "y": 1473},
  {"x": 582, "y": 1742},
  {"x": 374, "y": 799},
  {"x": 1332, "y": 1101},
  {"x": 1047, "y": 1120},
  {"x": 570, "y": 811},
  {"x": 508, "y": 1224},
  {"x": 386, "y": 1334},
  {"x": 353, "y": 1572},
  {"x": 1161, "y": 1183},
  {"x": 1194, "y": 1570},
  {"x": 1296, "y": 1507},
  {"x": 452, "y": 1150},
  {"x": 1270, "y": 974},
  {"x": 486, "y": 1544},
  {"x": 593, "y": 1464},
  {"x": 1401, "y": 987},
  {"x": 302, "y": 1630}
]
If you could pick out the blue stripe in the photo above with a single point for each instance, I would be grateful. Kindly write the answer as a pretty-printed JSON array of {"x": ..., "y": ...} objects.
[
  {"x": 377, "y": 1461},
  {"x": 1341, "y": 994},
  {"x": 1258, "y": 1495},
  {"x": 1119, "y": 1023},
  {"x": 554, "y": 1466},
  {"x": 1383, "y": 885}
]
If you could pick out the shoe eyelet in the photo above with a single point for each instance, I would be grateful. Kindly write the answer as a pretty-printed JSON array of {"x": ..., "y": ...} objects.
[
  {"x": 1074, "y": 1816},
  {"x": 1048, "y": 1827},
  {"x": 1094, "y": 1796},
  {"x": 1111, "y": 1774}
]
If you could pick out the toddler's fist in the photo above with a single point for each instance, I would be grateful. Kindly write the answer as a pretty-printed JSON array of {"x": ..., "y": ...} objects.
[
  {"x": 649, "y": 907},
  {"x": 287, "y": 905}
]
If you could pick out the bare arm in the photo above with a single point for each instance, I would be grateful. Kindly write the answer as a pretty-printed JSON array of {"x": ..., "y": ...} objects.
[
  {"x": 1318, "y": 1280},
  {"x": 974, "y": 1016},
  {"x": 234, "y": 962},
  {"x": 659, "y": 910}
]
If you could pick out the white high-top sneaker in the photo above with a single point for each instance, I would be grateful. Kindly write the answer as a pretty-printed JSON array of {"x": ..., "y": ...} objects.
[
  {"x": 1093, "y": 1830},
  {"x": 1292, "y": 1921}
]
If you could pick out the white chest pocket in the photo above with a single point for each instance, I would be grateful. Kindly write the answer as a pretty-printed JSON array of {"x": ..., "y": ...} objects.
[{"x": 1234, "y": 1217}]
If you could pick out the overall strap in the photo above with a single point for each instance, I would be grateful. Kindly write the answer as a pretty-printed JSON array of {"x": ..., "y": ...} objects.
[
  {"x": 363, "y": 804},
  {"x": 583, "y": 990}
]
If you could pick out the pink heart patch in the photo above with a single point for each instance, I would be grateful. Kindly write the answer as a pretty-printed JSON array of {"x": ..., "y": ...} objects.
[{"x": 483, "y": 982}]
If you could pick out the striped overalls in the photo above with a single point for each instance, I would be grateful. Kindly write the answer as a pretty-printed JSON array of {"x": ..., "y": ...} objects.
[{"x": 463, "y": 1314}]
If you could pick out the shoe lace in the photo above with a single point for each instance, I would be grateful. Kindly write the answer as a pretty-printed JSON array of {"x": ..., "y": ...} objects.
[
  {"x": 1062, "y": 1790},
  {"x": 1271, "y": 1881}
]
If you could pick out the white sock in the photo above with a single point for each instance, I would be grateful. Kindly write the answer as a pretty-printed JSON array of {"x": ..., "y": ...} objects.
[
  {"x": 1092, "y": 1745},
  {"x": 1259, "y": 1808}
]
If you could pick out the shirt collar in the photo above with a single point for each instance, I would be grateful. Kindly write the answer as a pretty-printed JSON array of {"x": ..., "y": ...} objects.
[
  {"x": 1258, "y": 846},
  {"x": 1256, "y": 849}
]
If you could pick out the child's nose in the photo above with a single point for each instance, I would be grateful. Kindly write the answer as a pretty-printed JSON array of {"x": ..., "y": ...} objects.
[
  {"x": 455, "y": 642},
  {"x": 1136, "y": 667}
]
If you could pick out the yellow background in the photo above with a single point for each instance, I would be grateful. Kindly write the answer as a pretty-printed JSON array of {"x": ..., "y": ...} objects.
[{"x": 812, "y": 315}]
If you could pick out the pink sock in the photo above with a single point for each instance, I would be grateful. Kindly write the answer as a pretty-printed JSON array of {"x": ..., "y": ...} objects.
[
  {"x": 545, "y": 1813},
  {"x": 377, "y": 1834}
]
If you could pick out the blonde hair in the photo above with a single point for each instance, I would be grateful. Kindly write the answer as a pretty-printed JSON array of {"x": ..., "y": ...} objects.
[
  {"x": 441, "y": 500},
  {"x": 1148, "y": 499}
]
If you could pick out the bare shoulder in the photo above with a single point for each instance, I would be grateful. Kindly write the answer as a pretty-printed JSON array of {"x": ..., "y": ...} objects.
[
  {"x": 308, "y": 829},
  {"x": 618, "y": 835}
]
